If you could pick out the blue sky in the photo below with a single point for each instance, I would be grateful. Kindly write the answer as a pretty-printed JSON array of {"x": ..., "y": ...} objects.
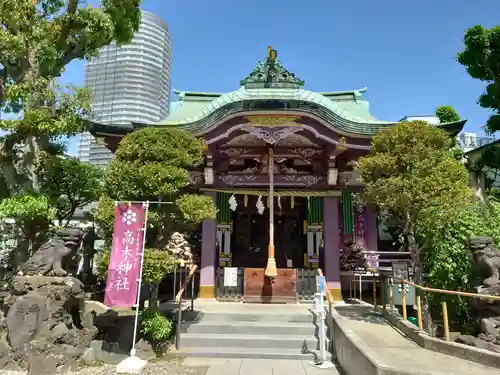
[{"x": 403, "y": 51}]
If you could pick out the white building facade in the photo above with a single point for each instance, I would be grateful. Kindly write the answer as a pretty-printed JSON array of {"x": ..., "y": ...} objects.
[{"x": 130, "y": 83}]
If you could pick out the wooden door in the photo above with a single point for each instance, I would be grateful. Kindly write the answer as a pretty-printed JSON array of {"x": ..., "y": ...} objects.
[{"x": 260, "y": 289}]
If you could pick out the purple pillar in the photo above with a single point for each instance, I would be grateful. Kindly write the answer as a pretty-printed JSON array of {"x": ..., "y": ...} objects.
[
  {"x": 208, "y": 254},
  {"x": 331, "y": 233},
  {"x": 371, "y": 233}
]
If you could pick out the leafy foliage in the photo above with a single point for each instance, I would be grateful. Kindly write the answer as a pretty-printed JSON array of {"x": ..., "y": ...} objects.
[
  {"x": 157, "y": 263},
  {"x": 70, "y": 184},
  {"x": 195, "y": 208},
  {"x": 104, "y": 216},
  {"x": 447, "y": 113},
  {"x": 31, "y": 212},
  {"x": 489, "y": 164},
  {"x": 480, "y": 57},
  {"x": 447, "y": 257},
  {"x": 42, "y": 37},
  {"x": 37, "y": 40},
  {"x": 152, "y": 164},
  {"x": 411, "y": 173},
  {"x": 156, "y": 325},
  {"x": 33, "y": 215}
]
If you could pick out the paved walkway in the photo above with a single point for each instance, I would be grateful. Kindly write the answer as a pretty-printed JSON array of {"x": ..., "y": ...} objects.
[
  {"x": 222, "y": 366},
  {"x": 395, "y": 350}
]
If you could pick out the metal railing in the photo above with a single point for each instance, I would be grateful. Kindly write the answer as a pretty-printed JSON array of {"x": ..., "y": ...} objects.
[{"x": 178, "y": 301}]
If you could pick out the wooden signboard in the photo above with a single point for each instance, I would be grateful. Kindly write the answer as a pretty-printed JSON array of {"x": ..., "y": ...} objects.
[{"x": 260, "y": 289}]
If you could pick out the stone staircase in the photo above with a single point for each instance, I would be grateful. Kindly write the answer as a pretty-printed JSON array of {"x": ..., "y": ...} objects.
[{"x": 236, "y": 330}]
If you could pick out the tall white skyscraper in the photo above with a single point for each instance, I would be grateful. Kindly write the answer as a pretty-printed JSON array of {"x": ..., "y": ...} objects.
[{"x": 129, "y": 84}]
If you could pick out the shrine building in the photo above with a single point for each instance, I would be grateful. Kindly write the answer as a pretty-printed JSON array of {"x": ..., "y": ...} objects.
[{"x": 272, "y": 136}]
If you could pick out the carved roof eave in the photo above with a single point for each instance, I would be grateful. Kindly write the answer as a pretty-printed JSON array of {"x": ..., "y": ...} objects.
[
  {"x": 96, "y": 129},
  {"x": 337, "y": 122}
]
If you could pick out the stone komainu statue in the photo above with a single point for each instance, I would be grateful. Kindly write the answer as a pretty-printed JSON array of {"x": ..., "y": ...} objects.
[
  {"x": 353, "y": 256},
  {"x": 487, "y": 258},
  {"x": 50, "y": 258}
]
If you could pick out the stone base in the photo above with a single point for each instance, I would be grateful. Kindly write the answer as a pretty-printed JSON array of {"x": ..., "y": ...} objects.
[
  {"x": 336, "y": 294},
  {"x": 131, "y": 365},
  {"x": 207, "y": 291}
]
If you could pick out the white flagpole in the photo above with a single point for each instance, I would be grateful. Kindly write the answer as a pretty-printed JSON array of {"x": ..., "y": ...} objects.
[
  {"x": 139, "y": 282},
  {"x": 134, "y": 364}
]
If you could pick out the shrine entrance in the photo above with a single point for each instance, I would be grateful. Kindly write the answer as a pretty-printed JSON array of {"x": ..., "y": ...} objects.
[
  {"x": 251, "y": 234},
  {"x": 250, "y": 247}
]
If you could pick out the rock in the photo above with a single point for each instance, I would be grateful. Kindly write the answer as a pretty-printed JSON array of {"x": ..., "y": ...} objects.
[
  {"x": 24, "y": 318},
  {"x": 108, "y": 352},
  {"x": 149, "y": 351},
  {"x": 487, "y": 259},
  {"x": 41, "y": 364},
  {"x": 46, "y": 323},
  {"x": 479, "y": 241},
  {"x": 60, "y": 333},
  {"x": 89, "y": 358},
  {"x": 477, "y": 342},
  {"x": 6, "y": 361}
]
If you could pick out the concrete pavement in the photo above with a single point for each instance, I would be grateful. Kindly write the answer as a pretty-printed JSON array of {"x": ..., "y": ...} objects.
[
  {"x": 223, "y": 366},
  {"x": 390, "y": 348}
]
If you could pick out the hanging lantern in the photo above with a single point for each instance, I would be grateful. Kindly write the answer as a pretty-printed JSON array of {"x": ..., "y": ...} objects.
[
  {"x": 292, "y": 202},
  {"x": 245, "y": 200}
]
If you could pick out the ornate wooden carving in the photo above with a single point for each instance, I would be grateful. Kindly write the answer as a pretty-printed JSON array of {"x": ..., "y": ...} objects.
[
  {"x": 261, "y": 289},
  {"x": 271, "y": 121},
  {"x": 271, "y": 135},
  {"x": 295, "y": 180}
]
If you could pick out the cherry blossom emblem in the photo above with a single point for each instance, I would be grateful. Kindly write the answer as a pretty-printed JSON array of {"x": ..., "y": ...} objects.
[{"x": 129, "y": 217}]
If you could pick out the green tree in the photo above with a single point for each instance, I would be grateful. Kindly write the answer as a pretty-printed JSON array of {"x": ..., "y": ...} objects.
[
  {"x": 40, "y": 37},
  {"x": 447, "y": 113},
  {"x": 33, "y": 215},
  {"x": 70, "y": 185},
  {"x": 480, "y": 57},
  {"x": 410, "y": 173},
  {"x": 37, "y": 40},
  {"x": 152, "y": 164}
]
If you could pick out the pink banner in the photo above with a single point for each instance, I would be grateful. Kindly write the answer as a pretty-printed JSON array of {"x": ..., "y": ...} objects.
[{"x": 125, "y": 260}]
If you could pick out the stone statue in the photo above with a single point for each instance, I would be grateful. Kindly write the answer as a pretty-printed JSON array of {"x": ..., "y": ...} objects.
[
  {"x": 487, "y": 312},
  {"x": 352, "y": 255},
  {"x": 50, "y": 258},
  {"x": 487, "y": 258},
  {"x": 46, "y": 325}
]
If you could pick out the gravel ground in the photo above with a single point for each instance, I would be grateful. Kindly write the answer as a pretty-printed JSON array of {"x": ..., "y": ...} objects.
[{"x": 170, "y": 367}]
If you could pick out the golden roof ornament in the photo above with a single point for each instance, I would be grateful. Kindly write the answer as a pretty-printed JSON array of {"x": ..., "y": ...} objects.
[{"x": 270, "y": 73}]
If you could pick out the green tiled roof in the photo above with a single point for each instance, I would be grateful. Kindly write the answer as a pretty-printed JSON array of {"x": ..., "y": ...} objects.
[{"x": 197, "y": 111}]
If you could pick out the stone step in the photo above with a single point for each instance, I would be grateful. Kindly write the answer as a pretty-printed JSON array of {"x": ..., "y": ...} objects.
[
  {"x": 296, "y": 342},
  {"x": 255, "y": 328},
  {"x": 247, "y": 353},
  {"x": 282, "y": 318}
]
